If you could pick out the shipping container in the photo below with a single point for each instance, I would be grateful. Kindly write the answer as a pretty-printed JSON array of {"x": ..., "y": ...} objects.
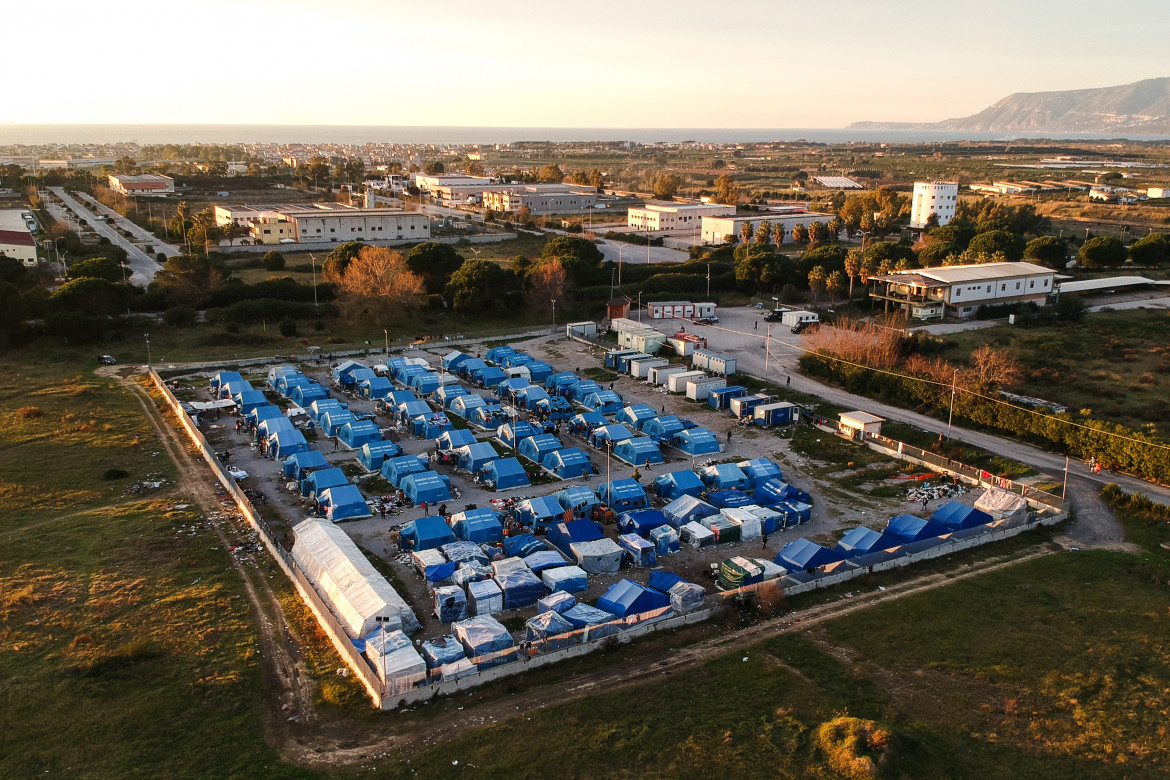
[
  {"x": 700, "y": 389},
  {"x": 677, "y": 383}
]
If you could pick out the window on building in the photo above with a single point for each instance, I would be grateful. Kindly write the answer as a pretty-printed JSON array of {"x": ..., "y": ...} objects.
[
  {"x": 1031, "y": 284},
  {"x": 1017, "y": 285},
  {"x": 1002, "y": 287}
]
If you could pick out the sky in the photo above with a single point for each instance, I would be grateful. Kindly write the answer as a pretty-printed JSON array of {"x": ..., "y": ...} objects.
[{"x": 535, "y": 63}]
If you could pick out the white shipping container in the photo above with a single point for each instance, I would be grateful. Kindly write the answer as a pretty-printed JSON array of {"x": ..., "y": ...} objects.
[
  {"x": 641, "y": 368},
  {"x": 659, "y": 374},
  {"x": 796, "y": 317},
  {"x": 677, "y": 383},
  {"x": 699, "y": 390}
]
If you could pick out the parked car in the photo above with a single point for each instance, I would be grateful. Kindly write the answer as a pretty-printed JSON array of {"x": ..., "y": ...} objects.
[
  {"x": 107, "y": 360},
  {"x": 706, "y": 320},
  {"x": 801, "y": 327},
  {"x": 773, "y": 317}
]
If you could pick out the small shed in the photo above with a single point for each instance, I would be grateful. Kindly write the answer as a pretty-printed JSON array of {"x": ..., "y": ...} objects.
[
  {"x": 700, "y": 389},
  {"x": 857, "y": 424},
  {"x": 779, "y": 413},
  {"x": 627, "y": 598}
]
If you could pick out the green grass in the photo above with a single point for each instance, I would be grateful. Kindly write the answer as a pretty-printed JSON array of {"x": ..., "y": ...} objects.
[{"x": 957, "y": 450}]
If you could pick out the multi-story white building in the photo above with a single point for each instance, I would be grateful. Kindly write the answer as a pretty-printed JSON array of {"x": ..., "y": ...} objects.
[
  {"x": 674, "y": 217},
  {"x": 330, "y": 223},
  {"x": 933, "y": 197},
  {"x": 717, "y": 229},
  {"x": 540, "y": 198},
  {"x": 19, "y": 245},
  {"x": 959, "y": 290},
  {"x": 151, "y": 185}
]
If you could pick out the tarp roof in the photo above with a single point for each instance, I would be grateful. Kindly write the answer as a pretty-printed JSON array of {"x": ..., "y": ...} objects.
[
  {"x": 627, "y": 598},
  {"x": 802, "y": 554}
]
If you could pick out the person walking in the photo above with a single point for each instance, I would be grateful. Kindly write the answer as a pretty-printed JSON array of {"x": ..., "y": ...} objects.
[
  {"x": 789, "y": 382},
  {"x": 424, "y": 508},
  {"x": 647, "y": 464},
  {"x": 442, "y": 510},
  {"x": 765, "y": 545},
  {"x": 382, "y": 510},
  {"x": 729, "y": 436},
  {"x": 925, "y": 499}
]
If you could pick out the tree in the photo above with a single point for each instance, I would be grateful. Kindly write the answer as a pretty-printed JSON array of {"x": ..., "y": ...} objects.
[
  {"x": 745, "y": 232},
  {"x": 253, "y": 169},
  {"x": 551, "y": 174},
  {"x": 991, "y": 368},
  {"x": 1049, "y": 251},
  {"x": 433, "y": 168},
  {"x": 317, "y": 168},
  {"x": 434, "y": 262},
  {"x": 273, "y": 260},
  {"x": 852, "y": 268},
  {"x": 764, "y": 232},
  {"x": 992, "y": 241},
  {"x": 1153, "y": 249},
  {"x": 799, "y": 233},
  {"x": 98, "y": 268},
  {"x": 834, "y": 226},
  {"x": 835, "y": 283},
  {"x": 547, "y": 282},
  {"x": 580, "y": 257},
  {"x": 126, "y": 165},
  {"x": 596, "y": 179},
  {"x": 666, "y": 185},
  {"x": 188, "y": 280},
  {"x": 817, "y": 279},
  {"x": 377, "y": 285},
  {"x": 885, "y": 251},
  {"x": 1101, "y": 252},
  {"x": 778, "y": 234},
  {"x": 726, "y": 190},
  {"x": 936, "y": 252},
  {"x": 231, "y": 231},
  {"x": 90, "y": 296},
  {"x": 817, "y": 232},
  {"x": 475, "y": 168},
  {"x": 830, "y": 257},
  {"x": 339, "y": 259},
  {"x": 481, "y": 286},
  {"x": 524, "y": 214}
]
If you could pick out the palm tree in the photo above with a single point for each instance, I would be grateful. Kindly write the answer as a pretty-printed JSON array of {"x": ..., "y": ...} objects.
[
  {"x": 852, "y": 268},
  {"x": 745, "y": 232},
  {"x": 778, "y": 234},
  {"x": 835, "y": 284},
  {"x": 764, "y": 232},
  {"x": 835, "y": 225},
  {"x": 816, "y": 281}
]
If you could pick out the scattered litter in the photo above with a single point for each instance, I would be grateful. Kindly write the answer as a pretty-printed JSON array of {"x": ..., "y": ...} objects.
[
  {"x": 343, "y": 672},
  {"x": 745, "y": 658}
]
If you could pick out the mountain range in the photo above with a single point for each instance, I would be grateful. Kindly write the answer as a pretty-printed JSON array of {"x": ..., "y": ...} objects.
[{"x": 1141, "y": 108}]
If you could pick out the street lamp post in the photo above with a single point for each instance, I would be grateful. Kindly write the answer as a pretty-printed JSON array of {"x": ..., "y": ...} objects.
[
  {"x": 951, "y": 414},
  {"x": 149, "y": 362},
  {"x": 313, "y": 262},
  {"x": 386, "y": 335},
  {"x": 767, "y": 351},
  {"x": 554, "y": 314},
  {"x": 620, "y": 247}
]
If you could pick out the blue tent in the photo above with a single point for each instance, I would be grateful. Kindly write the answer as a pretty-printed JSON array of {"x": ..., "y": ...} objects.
[
  {"x": 276, "y": 372},
  {"x": 559, "y": 380},
  {"x": 774, "y": 491},
  {"x": 511, "y": 434},
  {"x": 795, "y": 512},
  {"x": 510, "y": 386},
  {"x": 396, "y": 469},
  {"x": 504, "y": 474},
  {"x": 408, "y": 410},
  {"x": 862, "y": 540},
  {"x": 426, "y": 533},
  {"x": 481, "y": 526},
  {"x": 641, "y": 522},
  {"x": 635, "y": 415},
  {"x": 285, "y": 442},
  {"x": 399, "y": 397},
  {"x": 497, "y": 354},
  {"x": 581, "y": 615},
  {"x": 957, "y": 516},
  {"x": 319, "y": 480},
  {"x": 627, "y": 598},
  {"x": 662, "y": 428},
  {"x": 530, "y": 396},
  {"x": 522, "y": 545},
  {"x": 424, "y": 383},
  {"x": 452, "y": 360},
  {"x": 638, "y": 451},
  {"x": 721, "y": 398},
  {"x": 303, "y": 395},
  {"x": 579, "y": 391},
  {"x": 467, "y": 367},
  {"x": 555, "y": 408},
  {"x": 332, "y": 421},
  {"x": 623, "y": 495},
  {"x": 223, "y": 378},
  {"x": 264, "y": 412},
  {"x": 803, "y": 555},
  {"x": 487, "y": 417},
  {"x": 475, "y": 456},
  {"x": 537, "y": 448},
  {"x": 678, "y": 483},
  {"x": 343, "y": 502},
  {"x": 375, "y": 453},
  {"x": 376, "y": 387},
  {"x": 687, "y": 509},
  {"x": 355, "y": 434},
  {"x": 606, "y": 402},
  {"x": 249, "y": 400},
  {"x": 441, "y": 651},
  {"x": 725, "y": 476},
  {"x": 563, "y": 535},
  {"x": 266, "y": 429},
  {"x": 695, "y": 441},
  {"x": 760, "y": 470},
  {"x": 515, "y": 359},
  {"x": 446, "y": 394},
  {"x": 539, "y": 371},
  {"x": 579, "y": 499},
  {"x": 539, "y": 511},
  {"x": 637, "y": 550},
  {"x": 728, "y": 499},
  {"x": 665, "y": 540},
  {"x": 454, "y": 439},
  {"x": 426, "y": 486},
  {"x": 521, "y": 587},
  {"x": 909, "y": 528},
  {"x": 663, "y": 581},
  {"x": 464, "y": 404},
  {"x": 614, "y": 432},
  {"x": 344, "y": 369},
  {"x": 568, "y": 463},
  {"x": 299, "y": 464},
  {"x": 234, "y": 388},
  {"x": 489, "y": 377},
  {"x": 430, "y": 426},
  {"x": 318, "y": 408},
  {"x": 286, "y": 383}
]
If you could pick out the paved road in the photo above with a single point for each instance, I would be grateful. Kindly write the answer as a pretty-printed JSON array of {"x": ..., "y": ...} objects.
[
  {"x": 636, "y": 253},
  {"x": 142, "y": 235},
  {"x": 143, "y": 267}
]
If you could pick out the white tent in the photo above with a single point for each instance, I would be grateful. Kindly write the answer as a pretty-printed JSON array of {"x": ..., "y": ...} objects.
[
  {"x": 1002, "y": 505},
  {"x": 697, "y": 534},
  {"x": 394, "y": 658},
  {"x": 359, "y": 596},
  {"x": 750, "y": 526},
  {"x": 603, "y": 556}
]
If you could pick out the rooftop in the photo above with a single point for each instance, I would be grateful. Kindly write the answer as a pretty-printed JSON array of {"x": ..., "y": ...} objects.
[{"x": 957, "y": 274}]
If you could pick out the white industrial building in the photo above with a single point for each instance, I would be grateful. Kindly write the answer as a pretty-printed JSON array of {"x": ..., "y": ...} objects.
[
  {"x": 149, "y": 185},
  {"x": 325, "y": 223},
  {"x": 717, "y": 229},
  {"x": 359, "y": 597},
  {"x": 959, "y": 290},
  {"x": 665, "y": 310},
  {"x": 540, "y": 198},
  {"x": 19, "y": 245},
  {"x": 674, "y": 217},
  {"x": 933, "y": 197}
]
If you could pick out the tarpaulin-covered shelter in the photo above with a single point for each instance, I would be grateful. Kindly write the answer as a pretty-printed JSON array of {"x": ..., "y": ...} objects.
[
  {"x": 551, "y": 629},
  {"x": 562, "y": 535},
  {"x": 224, "y": 378},
  {"x": 430, "y": 426},
  {"x": 263, "y": 412},
  {"x": 578, "y": 499},
  {"x": 641, "y": 522},
  {"x": 332, "y": 420},
  {"x": 485, "y": 597},
  {"x": 318, "y": 480},
  {"x": 357, "y": 594},
  {"x": 305, "y": 394},
  {"x": 489, "y": 376},
  {"x": 557, "y": 601},
  {"x": 803, "y": 555},
  {"x": 466, "y": 367},
  {"x": 430, "y": 564},
  {"x": 464, "y": 404},
  {"x": 582, "y": 615},
  {"x": 452, "y": 360},
  {"x": 298, "y": 465},
  {"x": 424, "y": 383},
  {"x": 426, "y": 486},
  {"x": 395, "y": 660},
  {"x": 355, "y": 434},
  {"x": 1002, "y": 505},
  {"x": 614, "y": 432},
  {"x": 510, "y": 386},
  {"x": 342, "y": 371},
  {"x": 602, "y": 556},
  {"x": 286, "y": 385},
  {"x": 696, "y": 534},
  {"x": 464, "y": 552},
  {"x": 266, "y": 429},
  {"x": 285, "y": 442},
  {"x": 568, "y": 463},
  {"x": 504, "y": 474},
  {"x": 774, "y": 491},
  {"x": 909, "y": 528},
  {"x": 750, "y": 526},
  {"x": 426, "y": 533},
  {"x": 579, "y": 391},
  {"x": 408, "y": 410},
  {"x": 445, "y": 395},
  {"x": 454, "y": 439},
  {"x": 511, "y": 434},
  {"x": 441, "y": 650},
  {"x": 638, "y": 451},
  {"x": 627, "y": 598},
  {"x": 695, "y": 441},
  {"x": 795, "y": 512},
  {"x": 375, "y": 387},
  {"x": 498, "y": 354},
  {"x": 487, "y": 417},
  {"x": 725, "y": 476},
  {"x": 536, "y": 448},
  {"x": 248, "y": 400},
  {"x": 725, "y": 529},
  {"x": 515, "y": 359},
  {"x": 770, "y": 520},
  {"x": 760, "y": 470},
  {"x": 449, "y": 603},
  {"x": 481, "y": 526},
  {"x": 543, "y": 559},
  {"x": 234, "y": 388},
  {"x": 561, "y": 379},
  {"x": 321, "y": 406},
  {"x": 862, "y": 541},
  {"x": 665, "y": 540},
  {"x": 485, "y": 640},
  {"x": 957, "y": 516},
  {"x": 539, "y": 511},
  {"x": 521, "y": 588},
  {"x": 529, "y": 397},
  {"x": 343, "y": 502},
  {"x": 539, "y": 371},
  {"x": 587, "y": 421},
  {"x": 635, "y": 415},
  {"x": 622, "y": 495},
  {"x": 686, "y": 509},
  {"x": 678, "y": 483},
  {"x": 605, "y": 401},
  {"x": 511, "y": 563},
  {"x": 397, "y": 469},
  {"x": 721, "y": 499},
  {"x": 523, "y": 544},
  {"x": 638, "y": 551},
  {"x": 739, "y": 571}
]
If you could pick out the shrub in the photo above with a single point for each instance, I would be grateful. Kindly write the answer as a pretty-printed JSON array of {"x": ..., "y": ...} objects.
[
  {"x": 273, "y": 260},
  {"x": 288, "y": 327},
  {"x": 179, "y": 317},
  {"x": 115, "y": 474},
  {"x": 30, "y": 412}
]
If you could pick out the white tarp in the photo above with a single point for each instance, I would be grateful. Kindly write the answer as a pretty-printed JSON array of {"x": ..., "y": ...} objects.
[
  {"x": 697, "y": 534},
  {"x": 485, "y": 597},
  {"x": 603, "y": 556},
  {"x": 771, "y": 570},
  {"x": 508, "y": 564},
  {"x": 396, "y": 661},
  {"x": 359, "y": 596},
  {"x": 1002, "y": 505},
  {"x": 749, "y": 525}
]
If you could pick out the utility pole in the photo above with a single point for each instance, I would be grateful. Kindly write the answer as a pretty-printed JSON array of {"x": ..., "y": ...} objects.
[
  {"x": 313, "y": 262},
  {"x": 149, "y": 362},
  {"x": 620, "y": 247},
  {"x": 1064, "y": 489},
  {"x": 767, "y": 351},
  {"x": 708, "y": 281},
  {"x": 951, "y": 414}
]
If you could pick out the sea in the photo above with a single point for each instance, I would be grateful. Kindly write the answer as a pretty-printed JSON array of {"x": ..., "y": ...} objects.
[{"x": 13, "y": 134}]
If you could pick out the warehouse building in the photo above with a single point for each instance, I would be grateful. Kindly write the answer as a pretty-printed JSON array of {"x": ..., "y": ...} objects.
[{"x": 959, "y": 290}]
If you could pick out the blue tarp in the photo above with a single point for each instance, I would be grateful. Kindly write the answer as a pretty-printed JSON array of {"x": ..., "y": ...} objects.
[
  {"x": 588, "y": 420},
  {"x": 489, "y": 376},
  {"x": 955, "y": 516},
  {"x": 306, "y": 393},
  {"x": 568, "y": 463},
  {"x": 521, "y": 588},
  {"x": 565, "y": 579},
  {"x": 580, "y": 390},
  {"x": 284, "y": 443},
  {"x": 530, "y": 396},
  {"x": 635, "y": 415},
  {"x": 396, "y": 469},
  {"x": 440, "y": 651},
  {"x": 319, "y": 408},
  {"x": 613, "y": 432},
  {"x": 332, "y": 421},
  {"x": 299, "y": 464},
  {"x": 678, "y": 483},
  {"x": 539, "y": 511},
  {"x": 539, "y": 371},
  {"x": 376, "y": 387},
  {"x": 318, "y": 480},
  {"x": 695, "y": 441},
  {"x": 225, "y": 377},
  {"x": 638, "y": 451},
  {"x": 536, "y": 448},
  {"x": 638, "y": 551},
  {"x": 485, "y": 597},
  {"x": 686, "y": 509},
  {"x": 449, "y": 603},
  {"x": 523, "y": 544},
  {"x": 562, "y": 535},
  {"x": 543, "y": 559},
  {"x": 627, "y": 598},
  {"x": 802, "y": 555},
  {"x": 464, "y": 552},
  {"x": 663, "y": 581},
  {"x": 622, "y": 495},
  {"x": 728, "y": 498},
  {"x": 452, "y": 359},
  {"x": 249, "y": 400},
  {"x": 773, "y": 491},
  {"x": 426, "y": 486},
  {"x": 550, "y": 629},
  {"x": 725, "y": 476},
  {"x": 558, "y": 601},
  {"x": 909, "y": 528},
  {"x": 581, "y": 615},
  {"x": 454, "y": 439},
  {"x": 342, "y": 502},
  {"x": 267, "y": 428},
  {"x": 261, "y": 413},
  {"x": 504, "y": 474},
  {"x": 497, "y": 354},
  {"x": 665, "y": 540},
  {"x": 481, "y": 526},
  {"x": 427, "y": 533},
  {"x": 760, "y": 470},
  {"x": 561, "y": 379},
  {"x": 862, "y": 540},
  {"x": 606, "y": 402},
  {"x": 641, "y": 522}
]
